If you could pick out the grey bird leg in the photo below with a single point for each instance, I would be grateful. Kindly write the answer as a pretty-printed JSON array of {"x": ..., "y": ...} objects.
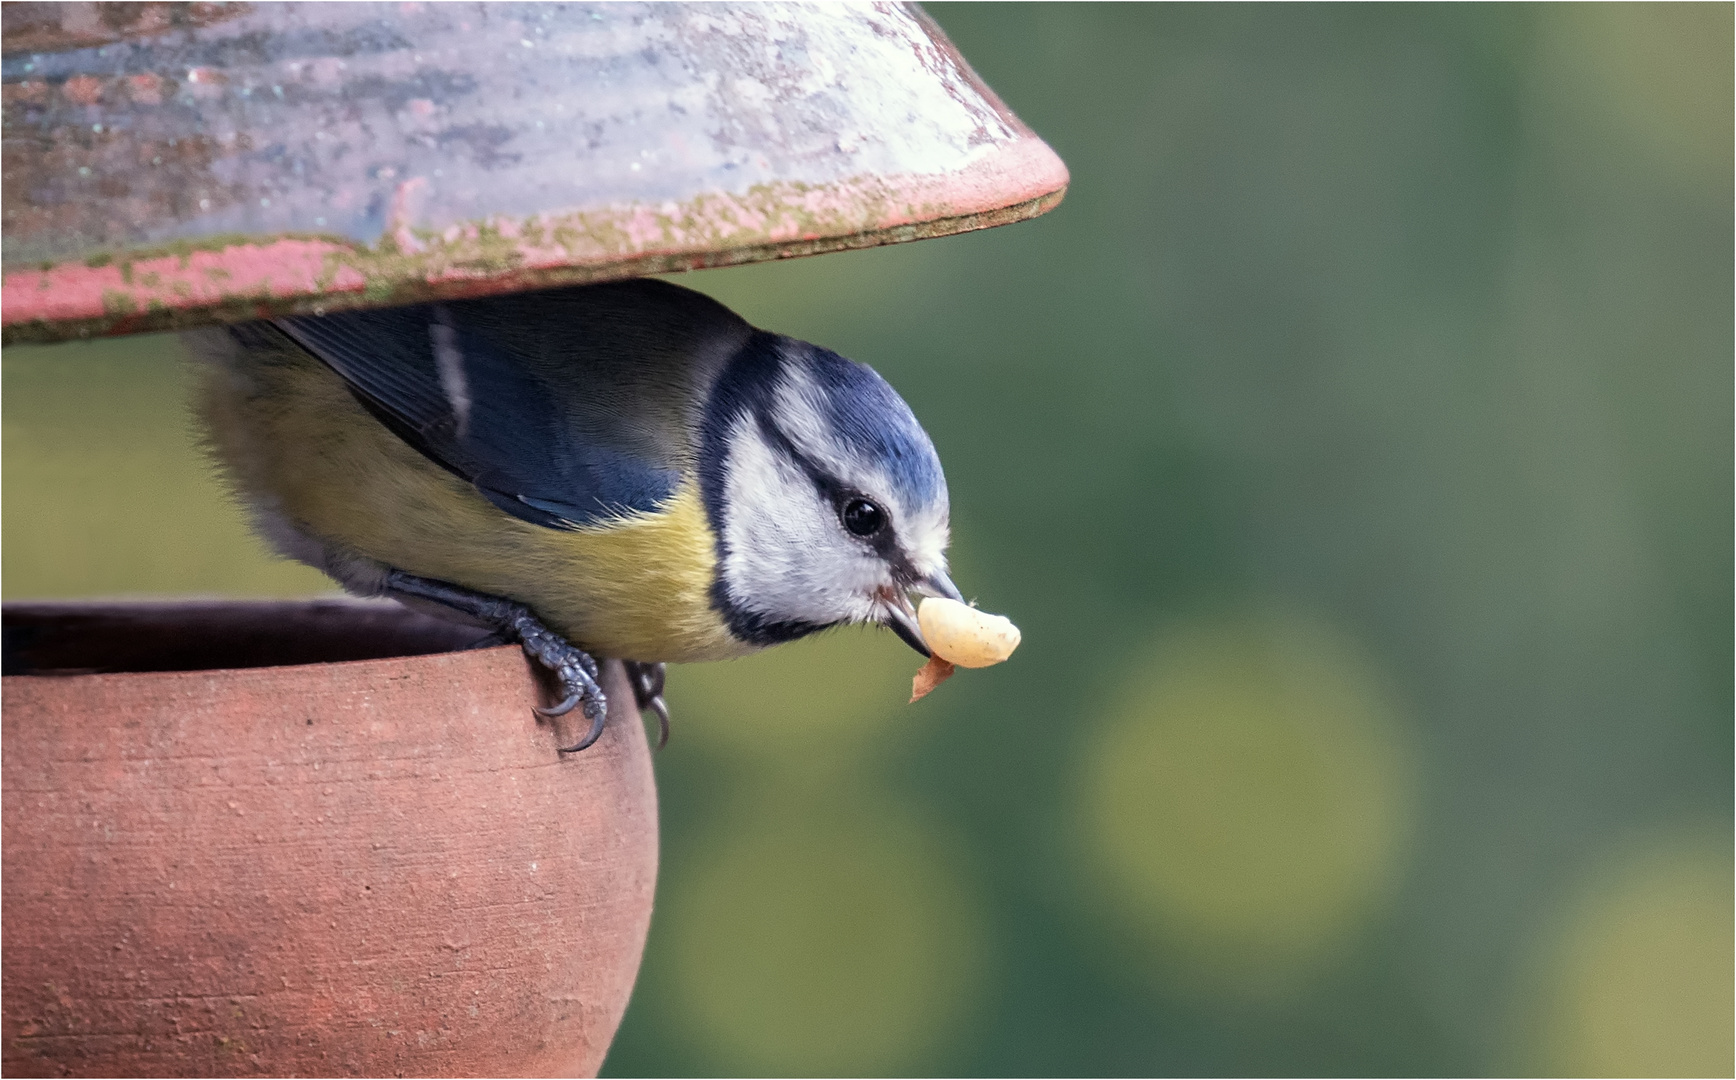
[
  {"x": 647, "y": 680},
  {"x": 574, "y": 667}
]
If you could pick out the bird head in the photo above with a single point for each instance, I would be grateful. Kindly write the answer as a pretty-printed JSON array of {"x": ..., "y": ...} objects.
[{"x": 825, "y": 494}]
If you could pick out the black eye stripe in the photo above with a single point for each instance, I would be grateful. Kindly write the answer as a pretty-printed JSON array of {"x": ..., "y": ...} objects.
[
  {"x": 820, "y": 478},
  {"x": 884, "y": 540},
  {"x": 828, "y": 485}
]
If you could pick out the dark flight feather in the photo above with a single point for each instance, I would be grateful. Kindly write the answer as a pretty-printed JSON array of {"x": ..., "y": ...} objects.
[{"x": 565, "y": 408}]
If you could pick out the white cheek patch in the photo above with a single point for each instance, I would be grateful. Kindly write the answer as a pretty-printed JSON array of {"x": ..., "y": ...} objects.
[
  {"x": 924, "y": 538},
  {"x": 786, "y": 556}
]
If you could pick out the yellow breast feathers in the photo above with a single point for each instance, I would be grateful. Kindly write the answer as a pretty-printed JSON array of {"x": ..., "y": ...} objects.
[{"x": 299, "y": 445}]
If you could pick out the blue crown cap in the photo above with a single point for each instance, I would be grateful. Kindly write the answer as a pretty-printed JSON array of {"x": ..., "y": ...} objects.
[{"x": 872, "y": 421}]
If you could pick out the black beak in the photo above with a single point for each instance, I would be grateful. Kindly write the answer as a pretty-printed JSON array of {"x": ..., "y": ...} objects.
[
  {"x": 938, "y": 584},
  {"x": 903, "y": 623},
  {"x": 901, "y": 613}
]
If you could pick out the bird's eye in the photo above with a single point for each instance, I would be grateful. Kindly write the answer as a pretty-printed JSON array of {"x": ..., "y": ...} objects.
[{"x": 863, "y": 517}]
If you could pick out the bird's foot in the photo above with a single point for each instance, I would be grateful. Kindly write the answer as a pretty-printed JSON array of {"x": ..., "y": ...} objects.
[
  {"x": 571, "y": 666},
  {"x": 647, "y": 681}
]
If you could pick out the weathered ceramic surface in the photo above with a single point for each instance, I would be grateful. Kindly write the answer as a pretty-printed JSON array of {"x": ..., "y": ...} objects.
[
  {"x": 184, "y": 163},
  {"x": 378, "y": 867}
]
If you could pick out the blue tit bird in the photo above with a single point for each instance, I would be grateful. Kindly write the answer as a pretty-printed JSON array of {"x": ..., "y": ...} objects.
[{"x": 624, "y": 470}]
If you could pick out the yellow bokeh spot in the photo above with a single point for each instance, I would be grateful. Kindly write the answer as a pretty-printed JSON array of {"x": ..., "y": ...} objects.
[
  {"x": 823, "y": 945},
  {"x": 1660, "y": 72},
  {"x": 1637, "y": 979},
  {"x": 1247, "y": 801}
]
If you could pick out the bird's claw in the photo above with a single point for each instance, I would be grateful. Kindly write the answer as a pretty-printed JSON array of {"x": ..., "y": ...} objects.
[
  {"x": 591, "y": 736},
  {"x": 572, "y": 666},
  {"x": 562, "y": 709},
  {"x": 575, "y": 669},
  {"x": 647, "y": 682}
]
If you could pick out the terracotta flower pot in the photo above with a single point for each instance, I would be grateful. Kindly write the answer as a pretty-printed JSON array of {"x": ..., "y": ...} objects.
[{"x": 376, "y": 866}]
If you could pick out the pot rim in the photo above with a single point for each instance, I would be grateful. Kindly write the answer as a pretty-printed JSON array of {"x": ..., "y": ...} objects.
[{"x": 165, "y": 636}]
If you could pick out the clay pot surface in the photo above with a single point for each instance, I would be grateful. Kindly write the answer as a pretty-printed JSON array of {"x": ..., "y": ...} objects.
[{"x": 376, "y": 866}]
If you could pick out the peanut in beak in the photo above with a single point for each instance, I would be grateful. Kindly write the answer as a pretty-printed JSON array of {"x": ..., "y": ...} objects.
[{"x": 959, "y": 635}]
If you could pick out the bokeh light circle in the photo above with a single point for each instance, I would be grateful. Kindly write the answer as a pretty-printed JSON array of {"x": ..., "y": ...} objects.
[
  {"x": 1635, "y": 977},
  {"x": 1248, "y": 799}
]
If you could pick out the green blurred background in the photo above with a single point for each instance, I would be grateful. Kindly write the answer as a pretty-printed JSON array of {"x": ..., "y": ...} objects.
[{"x": 1354, "y": 449}]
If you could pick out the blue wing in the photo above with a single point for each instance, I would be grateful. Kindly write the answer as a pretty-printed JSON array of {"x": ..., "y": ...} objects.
[{"x": 564, "y": 408}]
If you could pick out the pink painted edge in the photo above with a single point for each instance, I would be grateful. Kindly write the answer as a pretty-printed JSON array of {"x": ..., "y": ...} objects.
[{"x": 705, "y": 229}]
